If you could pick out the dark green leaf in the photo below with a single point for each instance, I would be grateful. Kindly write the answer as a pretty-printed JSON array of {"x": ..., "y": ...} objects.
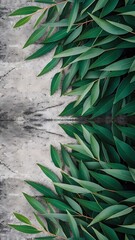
[
  {"x": 25, "y": 229},
  {"x": 25, "y": 10}
]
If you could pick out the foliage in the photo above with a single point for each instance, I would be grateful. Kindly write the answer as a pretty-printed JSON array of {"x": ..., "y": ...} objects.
[
  {"x": 94, "y": 40},
  {"x": 94, "y": 198}
]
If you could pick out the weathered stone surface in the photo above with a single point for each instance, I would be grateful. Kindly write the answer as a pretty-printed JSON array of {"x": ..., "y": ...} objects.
[{"x": 28, "y": 120}]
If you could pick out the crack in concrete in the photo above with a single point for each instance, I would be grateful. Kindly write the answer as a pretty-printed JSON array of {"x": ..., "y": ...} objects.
[
  {"x": 2, "y": 77},
  {"x": 1, "y": 163},
  {"x": 57, "y": 134}
]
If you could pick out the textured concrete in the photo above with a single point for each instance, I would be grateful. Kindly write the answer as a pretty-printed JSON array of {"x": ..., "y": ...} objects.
[{"x": 25, "y": 108}]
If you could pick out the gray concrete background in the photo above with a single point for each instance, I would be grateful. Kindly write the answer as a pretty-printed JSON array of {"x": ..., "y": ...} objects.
[{"x": 25, "y": 106}]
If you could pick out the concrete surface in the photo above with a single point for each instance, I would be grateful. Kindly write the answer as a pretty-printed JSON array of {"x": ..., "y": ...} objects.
[{"x": 25, "y": 107}]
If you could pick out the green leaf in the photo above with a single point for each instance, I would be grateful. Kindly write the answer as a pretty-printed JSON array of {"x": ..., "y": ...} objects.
[
  {"x": 73, "y": 35},
  {"x": 25, "y": 10},
  {"x": 42, "y": 189},
  {"x": 109, "y": 7},
  {"x": 104, "y": 106},
  {"x": 106, "y": 58},
  {"x": 22, "y": 218},
  {"x": 124, "y": 89},
  {"x": 56, "y": 82},
  {"x": 36, "y": 35},
  {"x": 91, "y": 205},
  {"x": 59, "y": 35},
  {"x": 52, "y": 64},
  {"x": 73, "y": 14},
  {"x": 109, "y": 232},
  {"x": 127, "y": 131},
  {"x": 108, "y": 212},
  {"x": 91, "y": 186},
  {"x": 120, "y": 65},
  {"x": 42, "y": 51},
  {"x": 55, "y": 157},
  {"x": 89, "y": 54},
  {"x": 72, "y": 51},
  {"x": 84, "y": 146},
  {"x": 84, "y": 93},
  {"x": 35, "y": 204},
  {"x": 69, "y": 77},
  {"x": 83, "y": 172},
  {"x": 95, "y": 146},
  {"x": 40, "y": 221},
  {"x": 59, "y": 204},
  {"x": 49, "y": 173},
  {"x": 25, "y": 229},
  {"x": 86, "y": 5},
  {"x": 107, "y": 181},
  {"x": 87, "y": 235},
  {"x": 120, "y": 174},
  {"x": 22, "y": 21},
  {"x": 132, "y": 172},
  {"x": 73, "y": 226},
  {"x": 99, "y": 5},
  {"x": 83, "y": 68},
  {"x": 122, "y": 213},
  {"x": 128, "y": 108},
  {"x": 111, "y": 27},
  {"x": 72, "y": 188},
  {"x": 74, "y": 205},
  {"x": 131, "y": 13},
  {"x": 99, "y": 235},
  {"x": 126, "y": 152}
]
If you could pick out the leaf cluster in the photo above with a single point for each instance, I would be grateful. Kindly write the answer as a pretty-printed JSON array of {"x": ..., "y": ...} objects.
[
  {"x": 94, "y": 41},
  {"x": 94, "y": 198}
]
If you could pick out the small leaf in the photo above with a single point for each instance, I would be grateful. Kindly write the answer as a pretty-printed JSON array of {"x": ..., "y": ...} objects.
[
  {"x": 72, "y": 51},
  {"x": 73, "y": 35},
  {"x": 126, "y": 152},
  {"x": 22, "y": 218},
  {"x": 42, "y": 189},
  {"x": 120, "y": 65},
  {"x": 108, "y": 212},
  {"x": 25, "y": 10},
  {"x": 99, "y": 5},
  {"x": 22, "y": 21},
  {"x": 35, "y": 204},
  {"x": 42, "y": 51},
  {"x": 25, "y": 229},
  {"x": 89, "y": 54},
  {"x": 74, "y": 205},
  {"x": 120, "y": 174},
  {"x": 73, "y": 14},
  {"x": 49, "y": 173},
  {"x": 55, "y": 157},
  {"x": 122, "y": 213},
  {"x": 56, "y": 82},
  {"x": 36, "y": 35},
  {"x": 99, "y": 235},
  {"x": 83, "y": 68},
  {"x": 59, "y": 204},
  {"x": 109, "y": 232},
  {"x": 72, "y": 188},
  {"x": 124, "y": 89},
  {"x": 73, "y": 226},
  {"x": 91, "y": 186},
  {"x": 111, "y": 27}
]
